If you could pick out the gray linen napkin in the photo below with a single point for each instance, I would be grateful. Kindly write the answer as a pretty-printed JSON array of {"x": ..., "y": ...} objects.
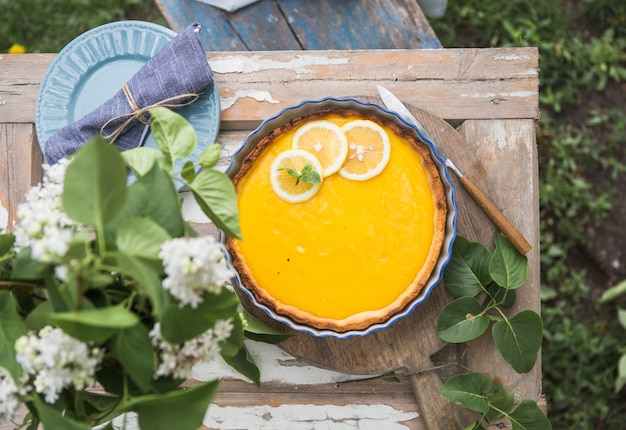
[{"x": 179, "y": 68}]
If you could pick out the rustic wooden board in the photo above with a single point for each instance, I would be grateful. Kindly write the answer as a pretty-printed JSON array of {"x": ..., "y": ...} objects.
[
  {"x": 216, "y": 35},
  {"x": 302, "y": 24},
  {"x": 359, "y": 24},
  {"x": 372, "y": 401},
  {"x": 453, "y": 84},
  {"x": 493, "y": 93},
  {"x": 259, "y": 27},
  {"x": 20, "y": 168},
  {"x": 507, "y": 150}
]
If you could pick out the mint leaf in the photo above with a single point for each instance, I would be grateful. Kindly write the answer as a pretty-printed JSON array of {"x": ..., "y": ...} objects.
[{"x": 308, "y": 174}]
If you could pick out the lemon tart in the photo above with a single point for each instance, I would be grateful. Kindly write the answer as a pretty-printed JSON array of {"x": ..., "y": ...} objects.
[{"x": 363, "y": 241}]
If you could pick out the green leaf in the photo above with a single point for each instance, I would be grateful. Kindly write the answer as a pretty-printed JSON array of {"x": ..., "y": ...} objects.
[
  {"x": 174, "y": 135},
  {"x": 6, "y": 243},
  {"x": 243, "y": 363},
  {"x": 52, "y": 419},
  {"x": 180, "y": 409},
  {"x": 132, "y": 347},
  {"x": 233, "y": 344},
  {"x": 153, "y": 196},
  {"x": 141, "y": 237},
  {"x": 79, "y": 246},
  {"x": 470, "y": 390},
  {"x": 613, "y": 292},
  {"x": 142, "y": 159},
  {"x": 11, "y": 329},
  {"x": 189, "y": 171},
  {"x": 210, "y": 156},
  {"x": 291, "y": 172},
  {"x": 505, "y": 297},
  {"x": 518, "y": 339},
  {"x": 147, "y": 280},
  {"x": 508, "y": 268},
  {"x": 528, "y": 416},
  {"x": 215, "y": 194},
  {"x": 94, "y": 325},
  {"x": 109, "y": 317},
  {"x": 500, "y": 399},
  {"x": 179, "y": 324},
  {"x": 621, "y": 374},
  {"x": 621, "y": 317},
  {"x": 38, "y": 318},
  {"x": 460, "y": 321},
  {"x": 98, "y": 407},
  {"x": 257, "y": 331},
  {"x": 467, "y": 273},
  {"x": 310, "y": 175},
  {"x": 63, "y": 297},
  {"x": 94, "y": 190},
  {"x": 27, "y": 269}
]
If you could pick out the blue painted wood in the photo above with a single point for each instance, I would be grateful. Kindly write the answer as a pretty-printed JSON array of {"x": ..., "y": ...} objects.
[
  {"x": 216, "y": 34},
  {"x": 262, "y": 27},
  {"x": 305, "y": 24},
  {"x": 259, "y": 27},
  {"x": 359, "y": 24}
]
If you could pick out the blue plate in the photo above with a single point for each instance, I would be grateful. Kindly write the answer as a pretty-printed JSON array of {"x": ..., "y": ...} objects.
[{"x": 95, "y": 65}]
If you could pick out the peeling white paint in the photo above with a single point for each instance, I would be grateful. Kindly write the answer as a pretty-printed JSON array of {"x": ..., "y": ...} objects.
[
  {"x": 295, "y": 417},
  {"x": 258, "y": 95},
  {"x": 515, "y": 94},
  {"x": 503, "y": 135},
  {"x": 306, "y": 417},
  {"x": 256, "y": 63},
  {"x": 510, "y": 57},
  {"x": 275, "y": 365}
]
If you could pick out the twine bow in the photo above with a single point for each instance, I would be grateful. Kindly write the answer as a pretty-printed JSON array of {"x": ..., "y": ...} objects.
[{"x": 140, "y": 113}]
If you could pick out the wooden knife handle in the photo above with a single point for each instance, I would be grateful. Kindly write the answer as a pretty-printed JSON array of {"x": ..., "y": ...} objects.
[{"x": 498, "y": 218}]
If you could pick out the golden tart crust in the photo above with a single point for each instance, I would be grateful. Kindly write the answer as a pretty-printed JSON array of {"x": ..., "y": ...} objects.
[{"x": 316, "y": 316}]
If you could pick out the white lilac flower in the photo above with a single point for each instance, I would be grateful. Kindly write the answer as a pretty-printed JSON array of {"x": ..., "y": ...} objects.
[
  {"x": 55, "y": 360},
  {"x": 194, "y": 266},
  {"x": 42, "y": 224},
  {"x": 178, "y": 360},
  {"x": 9, "y": 402}
]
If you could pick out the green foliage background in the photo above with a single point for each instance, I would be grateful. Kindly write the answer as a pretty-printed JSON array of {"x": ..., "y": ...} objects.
[{"x": 583, "y": 340}]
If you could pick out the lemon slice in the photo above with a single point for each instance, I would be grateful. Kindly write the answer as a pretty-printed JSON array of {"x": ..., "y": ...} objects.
[
  {"x": 368, "y": 150},
  {"x": 287, "y": 186},
  {"x": 326, "y": 141}
]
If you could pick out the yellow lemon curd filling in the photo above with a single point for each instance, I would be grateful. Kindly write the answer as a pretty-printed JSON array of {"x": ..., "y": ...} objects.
[{"x": 354, "y": 247}]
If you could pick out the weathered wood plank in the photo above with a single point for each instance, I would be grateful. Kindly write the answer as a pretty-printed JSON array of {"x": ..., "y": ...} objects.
[
  {"x": 301, "y": 24},
  {"x": 259, "y": 27},
  {"x": 452, "y": 84},
  {"x": 508, "y": 152},
  {"x": 359, "y": 24},
  {"x": 217, "y": 33},
  {"x": 20, "y": 76},
  {"x": 262, "y": 27},
  {"x": 467, "y": 66},
  {"x": 20, "y": 168}
]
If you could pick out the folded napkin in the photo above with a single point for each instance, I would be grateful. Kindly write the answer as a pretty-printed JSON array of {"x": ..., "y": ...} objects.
[{"x": 172, "y": 78}]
